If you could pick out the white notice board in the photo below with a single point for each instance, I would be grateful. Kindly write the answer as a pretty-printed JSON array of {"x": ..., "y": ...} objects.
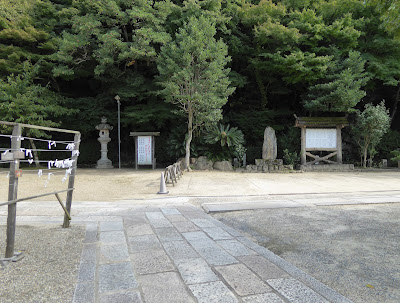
[
  {"x": 144, "y": 152},
  {"x": 321, "y": 138}
]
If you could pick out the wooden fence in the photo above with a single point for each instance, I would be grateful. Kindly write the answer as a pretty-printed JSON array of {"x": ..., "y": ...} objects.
[
  {"x": 14, "y": 154},
  {"x": 173, "y": 173}
]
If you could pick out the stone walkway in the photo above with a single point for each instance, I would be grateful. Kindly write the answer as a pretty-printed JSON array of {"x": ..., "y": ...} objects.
[{"x": 175, "y": 253}]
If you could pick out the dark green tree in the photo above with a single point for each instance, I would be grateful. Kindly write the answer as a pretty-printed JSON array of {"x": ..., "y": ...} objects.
[
  {"x": 341, "y": 89},
  {"x": 194, "y": 76},
  {"x": 23, "y": 101},
  {"x": 371, "y": 124}
]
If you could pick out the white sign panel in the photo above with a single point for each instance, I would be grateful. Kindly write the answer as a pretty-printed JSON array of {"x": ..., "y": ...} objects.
[
  {"x": 320, "y": 138},
  {"x": 144, "y": 150}
]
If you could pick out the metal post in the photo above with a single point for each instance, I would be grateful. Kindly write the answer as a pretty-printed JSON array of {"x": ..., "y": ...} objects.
[
  {"x": 303, "y": 157},
  {"x": 119, "y": 131},
  {"x": 12, "y": 192},
  {"x": 71, "y": 180}
]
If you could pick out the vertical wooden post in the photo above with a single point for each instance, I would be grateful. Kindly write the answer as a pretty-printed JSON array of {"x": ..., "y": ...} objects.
[
  {"x": 12, "y": 192},
  {"x": 153, "y": 145},
  {"x": 136, "y": 152},
  {"x": 303, "y": 146},
  {"x": 339, "y": 143},
  {"x": 71, "y": 180}
]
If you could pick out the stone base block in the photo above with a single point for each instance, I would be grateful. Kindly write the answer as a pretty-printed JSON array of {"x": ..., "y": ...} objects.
[
  {"x": 268, "y": 166},
  {"x": 265, "y": 162},
  {"x": 202, "y": 163},
  {"x": 223, "y": 165},
  {"x": 327, "y": 167},
  {"x": 104, "y": 164}
]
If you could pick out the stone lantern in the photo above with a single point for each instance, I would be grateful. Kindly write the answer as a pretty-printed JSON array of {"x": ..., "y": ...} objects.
[{"x": 104, "y": 138}]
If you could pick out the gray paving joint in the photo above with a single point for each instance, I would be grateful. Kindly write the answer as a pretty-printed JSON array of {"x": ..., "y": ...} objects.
[{"x": 180, "y": 254}]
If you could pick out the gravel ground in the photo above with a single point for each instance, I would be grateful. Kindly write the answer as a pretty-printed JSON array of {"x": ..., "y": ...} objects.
[
  {"x": 353, "y": 249},
  {"x": 48, "y": 272}
]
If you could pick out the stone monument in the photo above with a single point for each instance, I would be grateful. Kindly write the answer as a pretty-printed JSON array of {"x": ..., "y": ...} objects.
[
  {"x": 269, "y": 162},
  {"x": 104, "y": 138},
  {"x": 269, "y": 149}
]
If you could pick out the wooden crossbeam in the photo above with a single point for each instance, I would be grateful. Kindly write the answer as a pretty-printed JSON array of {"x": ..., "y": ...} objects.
[{"x": 318, "y": 158}]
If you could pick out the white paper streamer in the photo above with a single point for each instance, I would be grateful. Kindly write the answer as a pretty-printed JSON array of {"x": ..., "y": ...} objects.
[
  {"x": 52, "y": 143},
  {"x": 30, "y": 161},
  {"x": 40, "y": 173},
  {"x": 70, "y": 146},
  {"x": 28, "y": 152},
  {"x": 50, "y": 164}
]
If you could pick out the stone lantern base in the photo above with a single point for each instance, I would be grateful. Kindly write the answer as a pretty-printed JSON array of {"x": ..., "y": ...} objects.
[{"x": 104, "y": 164}]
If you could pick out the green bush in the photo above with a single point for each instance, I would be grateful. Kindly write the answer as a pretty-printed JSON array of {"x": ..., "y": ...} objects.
[
  {"x": 291, "y": 158},
  {"x": 225, "y": 142}
]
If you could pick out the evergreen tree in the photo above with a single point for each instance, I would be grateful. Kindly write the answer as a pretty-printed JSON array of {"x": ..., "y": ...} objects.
[
  {"x": 341, "y": 90},
  {"x": 194, "y": 76},
  {"x": 371, "y": 124}
]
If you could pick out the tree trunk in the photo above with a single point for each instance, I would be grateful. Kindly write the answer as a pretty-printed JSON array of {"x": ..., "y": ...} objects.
[
  {"x": 396, "y": 102},
  {"x": 365, "y": 157},
  {"x": 35, "y": 153},
  {"x": 189, "y": 138}
]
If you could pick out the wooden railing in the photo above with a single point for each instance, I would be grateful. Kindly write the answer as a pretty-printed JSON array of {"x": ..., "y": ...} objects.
[
  {"x": 14, "y": 154},
  {"x": 173, "y": 173}
]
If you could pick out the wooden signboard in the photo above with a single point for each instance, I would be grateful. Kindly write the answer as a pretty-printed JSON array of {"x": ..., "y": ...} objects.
[
  {"x": 144, "y": 148},
  {"x": 322, "y": 134}
]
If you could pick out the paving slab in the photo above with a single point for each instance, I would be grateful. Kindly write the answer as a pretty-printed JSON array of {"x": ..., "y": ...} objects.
[
  {"x": 114, "y": 253},
  {"x": 124, "y": 297},
  {"x": 170, "y": 211},
  {"x": 263, "y": 268},
  {"x": 194, "y": 271},
  {"x": 225, "y": 207},
  {"x": 217, "y": 233},
  {"x": 111, "y": 226},
  {"x": 235, "y": 248},
  {"x": 91, "y": 233},
  {"x": 112, "y": 237},
  {"x": 263, "y": 298},
  {"x": 157, "y": 220},
  {"x": 143, "y": 243},
  {"x": 118, "y": 276},
  {"x": 150, "y": 262},
  {"x": 178, "y": 250},
  {"x": 139, "y": 229},
  {"x": 176, "y": 218},
  {"x": 84, "y": 293},
  {"x": 202, "y": 223},
  {"x": 208, "y": 249},
  {"x": 168, "y": 234},
  {"x": 243, "y": 281},
  {"x": 295, "y": 291},
  {"x": 164, "y": 287},
  {"x": 213, "y": 292},
  {"x": 185, "y": 226}
]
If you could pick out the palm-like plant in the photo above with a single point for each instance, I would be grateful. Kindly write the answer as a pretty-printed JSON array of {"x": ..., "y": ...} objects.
[{"x": 226, "y": 135}]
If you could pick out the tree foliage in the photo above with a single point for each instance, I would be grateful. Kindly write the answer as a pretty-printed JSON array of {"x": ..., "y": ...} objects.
[
  {"x": 194, "y": 76},
  {"x": 312, "y": 57},
  {"x": 371, "y": 124},
  {"x": 23, "y": 101}
]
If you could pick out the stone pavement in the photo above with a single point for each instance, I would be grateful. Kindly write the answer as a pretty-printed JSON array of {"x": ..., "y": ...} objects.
[{"x": 172, "y": 251}]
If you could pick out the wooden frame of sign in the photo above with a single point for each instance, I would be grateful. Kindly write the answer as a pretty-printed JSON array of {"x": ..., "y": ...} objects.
[
  {"x": 321, "y": 134},
  {"x": 144, "y": 148}
]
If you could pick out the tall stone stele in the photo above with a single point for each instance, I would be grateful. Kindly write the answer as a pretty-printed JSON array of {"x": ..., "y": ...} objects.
[
  {"x": 270, "y": 149},
  {"x": 104, "y": 138}
]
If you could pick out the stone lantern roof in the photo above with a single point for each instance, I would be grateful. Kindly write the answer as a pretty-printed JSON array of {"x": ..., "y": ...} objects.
[{"x": 104, "y": 125}]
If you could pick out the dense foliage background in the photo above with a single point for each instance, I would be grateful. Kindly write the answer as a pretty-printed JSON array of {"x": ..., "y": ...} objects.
[{"x": 62, "y": 62}]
